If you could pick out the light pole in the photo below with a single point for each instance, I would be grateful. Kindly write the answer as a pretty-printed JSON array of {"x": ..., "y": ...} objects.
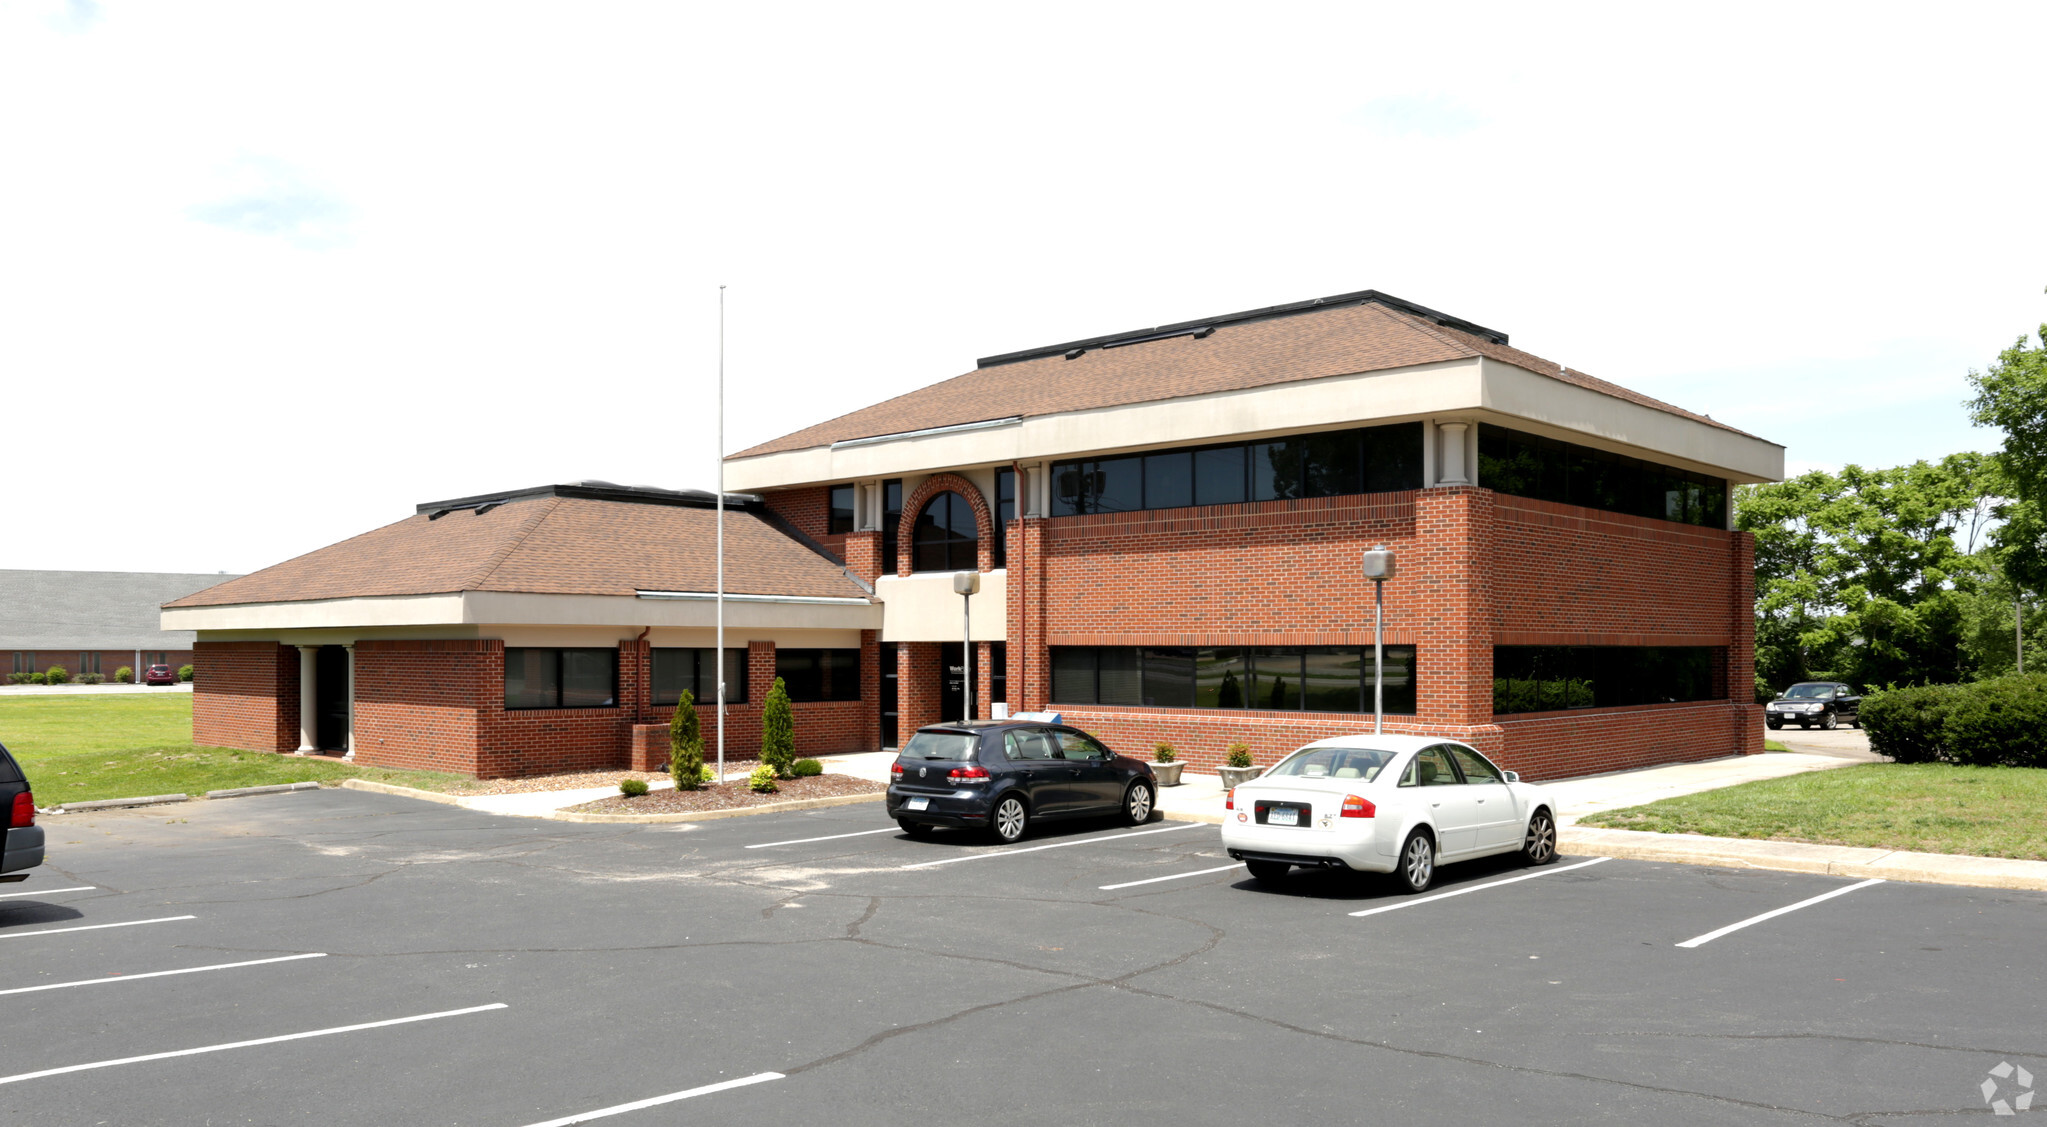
[
  {"x": 1378, "y": 569},
  {"x": 967, "y": 584},
  {"x": 719, "y": 660}
]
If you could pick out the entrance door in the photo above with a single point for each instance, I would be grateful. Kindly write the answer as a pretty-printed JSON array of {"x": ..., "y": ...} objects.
[
  {"x": 952, "y": 702},
  {"x": 890, "y": 714},
  {"x": 331, "y": 703}
]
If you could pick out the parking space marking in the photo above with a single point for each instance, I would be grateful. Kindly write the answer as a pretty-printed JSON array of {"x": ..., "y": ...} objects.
[
  {"x": 657, "y": 1101},
  {"x": 1479, "y": 887},
  {"x": 827, "y": 837},
  {"x": 46, "y": 892},
  {"x": 1712, "y": 935},
  {"x": 1175, "y": 876},
  {"x": 247, "y": 1044},
  {"x": 1054, "y": 845},
  {"x": 96, "y": 927},
  {"x": 158, "y": 974}
]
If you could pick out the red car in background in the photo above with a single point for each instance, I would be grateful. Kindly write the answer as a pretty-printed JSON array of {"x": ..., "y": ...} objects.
[{"x": 159, "y": 675}]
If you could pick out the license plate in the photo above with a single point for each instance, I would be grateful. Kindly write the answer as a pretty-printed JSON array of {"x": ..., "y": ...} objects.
[
  {"x": 1282, "y": 817},
  {"x": 916, "y": 803}
]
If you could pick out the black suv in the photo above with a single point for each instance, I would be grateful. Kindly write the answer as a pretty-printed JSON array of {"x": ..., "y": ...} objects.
[
  {"x": 1824, "y": 704},
  {"x": 1002, "y": 775},
  {"x": 21, "y": 840}
]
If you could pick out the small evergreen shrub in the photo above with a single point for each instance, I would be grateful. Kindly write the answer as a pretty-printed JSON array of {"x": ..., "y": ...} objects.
[
  {"x": 1999, "y": 722},
  {"x": 1162, "y": 752},
  {"x": 124, "y": 676},
  {"x": 806, "y": 768},
  {"x": 90, "y": 679},
  {"x": 632, "y": 788},
  {"x": 56, "y": 675},
  {"x": 184, "y": 673},
  {"x": 778, "y": 732},
  {"x": 19, "y": 678},
  {"x": 763, "y": 780},
  {"x": 1240, "y": 755},
  {"x": 686, "y": 744},
  {"x": 38, "y": 678},
  {"x": 1908, "y": 724}
]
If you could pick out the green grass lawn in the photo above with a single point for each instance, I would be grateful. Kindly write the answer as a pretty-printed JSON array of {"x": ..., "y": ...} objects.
[
  {"x": 124, "y": 746},
  {"x": 1773, "y": 745},
  {"x": 1925, "y": 807}
]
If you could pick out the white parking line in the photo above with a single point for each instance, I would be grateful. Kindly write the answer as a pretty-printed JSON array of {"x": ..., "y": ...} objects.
[
  {"x": 96, "y": 927},
  {"x": 657, "y": 1101},
  {"x": 1479, "y": 887},
  {"x": 1054, "y": 845},
  {"x": 247, "y": 1044},
  {"x": 831, "y": 837},
  {"x": 1175, "y": 876},
  {"x": 158, "y": 974},
  {"x": 46, "y": 892},
  {"x": 1712, "y": 935}
]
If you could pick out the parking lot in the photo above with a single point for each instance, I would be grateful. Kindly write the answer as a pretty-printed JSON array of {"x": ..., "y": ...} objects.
[{"x": 338, "y": 957}]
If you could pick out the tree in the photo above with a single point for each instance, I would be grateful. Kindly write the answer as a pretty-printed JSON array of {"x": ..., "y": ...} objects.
[
  {"x": 778, "y": 732},
  {"x": 686, "y": 744},
  {"x": 2012, "y": 396}
]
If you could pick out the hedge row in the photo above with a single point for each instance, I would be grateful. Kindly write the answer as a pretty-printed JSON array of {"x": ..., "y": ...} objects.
[{"x": 1999, "y": 722}]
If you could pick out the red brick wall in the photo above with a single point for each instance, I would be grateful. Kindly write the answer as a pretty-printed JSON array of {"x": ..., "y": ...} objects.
[
  {"x": 419, "y": 704},
  {"x": 807, "y": 510},
  {"x": 920, "y": 686},
  {"x": 1559, "y": 745},
  {"x": 245, "y": 695},
  {"x": 1572, "y": 576},
  {"x": 862, "y": 553}
]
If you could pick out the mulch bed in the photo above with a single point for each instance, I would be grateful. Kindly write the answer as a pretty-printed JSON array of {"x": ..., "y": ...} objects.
[
  {"x": 576, "y": 780},
  {"x": 730, "y": 796}
]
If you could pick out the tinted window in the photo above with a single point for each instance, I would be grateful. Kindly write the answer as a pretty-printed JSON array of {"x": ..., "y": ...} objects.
[
  {"x": 1073, "y": 674},
  {"x": 945, "y": 535},
  {"x": 815, "y": 674},
  {"x": 1168, "y": 677},
  {"x": 1005, "y": 511},
  {"x": 1073, "y": 745},
  {"x": 530, "y": 677},
  {"x": 1288, "y": 678},
  {"x": 561, "y": 678},
  {"x": 1169, "y": 480},
  {"x": 1432, "y": 768},
  {"x": 1334, "y": 762},
  {"x": 1476, "y": 768},
  {"x": 891, "y": 523},
  {"x": 1219, "y": 476},
  {"x": 841, "y": 519},
  {"x": 1222, "y": 678},
  {"x": 1277, "y": 678},
  {"x": 677, "y": 670},
  {"x": 1332, "y": 680},
  {"x": 1325, "y": 464},
  {"x": 942, "y": 745},
  {"x": 1550, "y": 678},
  {"x": 1118, "y": 680},
  {"x": 9, "y": 773},
  {"x": 589, "y": 678},
  {"x": 1119, "y": 485},
  {"x": 1275, "y": 470},
  {"x": 1331, "y": 465},
  {"x": 1031, "y": 745},
  {"x": 1527, "y": 465}
]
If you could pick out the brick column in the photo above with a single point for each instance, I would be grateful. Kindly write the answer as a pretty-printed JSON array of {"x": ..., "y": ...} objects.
[
  {"x": 635, "y": 679},
  {"x": 1030, "y": 681},
  {"x": 1450, "y": 588},
  {"x": 1741, "y": 646},
  {"x": 984, "y": 679},
  {"x": 870, "y": 689},
  {"x": 920, "y": 687},
  {"x": 863, "y": 555}
]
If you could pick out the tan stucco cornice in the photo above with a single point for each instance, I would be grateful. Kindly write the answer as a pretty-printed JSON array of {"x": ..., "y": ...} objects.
[{"x": 483, "y": 608}]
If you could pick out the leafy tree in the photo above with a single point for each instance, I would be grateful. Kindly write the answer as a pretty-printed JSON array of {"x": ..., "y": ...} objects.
[
  {"x": 686, "y": 744},
  {"x": 2012, "y": 396},
  {"x": 778, "y": 732}
]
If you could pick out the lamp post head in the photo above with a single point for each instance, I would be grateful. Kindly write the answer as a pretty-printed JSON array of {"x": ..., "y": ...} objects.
[
  {"x": 1378, "y": 563},
  {"x": 966, "y": 583}
]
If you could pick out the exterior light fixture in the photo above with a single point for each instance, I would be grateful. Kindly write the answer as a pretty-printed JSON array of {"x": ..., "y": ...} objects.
[
  {"x": 1378, "y": 569},
  {"x": 967, "y": 584}
]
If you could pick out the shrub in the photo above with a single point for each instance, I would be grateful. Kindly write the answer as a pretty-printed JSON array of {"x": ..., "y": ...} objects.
[
  {"x": 1162, "y": 752},
  {"x": 686, "y": 744},
  {"x": 632, "y": 788},
  {"x": 19, "y": 678},
  {"x": 1999, "y": 722},
  {"x": 1908, "y": 724},
  {"x": 56, "y": 675},
  {"x": 90, "y": 679},
  {"x": 763, "y": 779},
  {"x": 1240, "y": 755},
  {"x": 124, "y": 675},
  {"x": 806, "y": 768},
  {"x": 778, "y": 732},
  {"x": 38, "y": 678},
  {"x": 184, "y": 673}
]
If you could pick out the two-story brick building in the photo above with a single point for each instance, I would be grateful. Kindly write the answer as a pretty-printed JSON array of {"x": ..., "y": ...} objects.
[{"x": 1167, "y": 527}]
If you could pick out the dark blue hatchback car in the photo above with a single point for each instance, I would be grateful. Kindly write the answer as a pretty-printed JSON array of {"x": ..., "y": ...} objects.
[{"x": 1002, "y": 775}]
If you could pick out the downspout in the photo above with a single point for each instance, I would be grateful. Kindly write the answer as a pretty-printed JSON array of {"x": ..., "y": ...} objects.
[{"x": 644, "y": 660}]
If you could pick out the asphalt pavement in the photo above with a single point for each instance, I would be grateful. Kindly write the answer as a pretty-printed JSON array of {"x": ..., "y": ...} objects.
[{"x": 344, "y": 958}]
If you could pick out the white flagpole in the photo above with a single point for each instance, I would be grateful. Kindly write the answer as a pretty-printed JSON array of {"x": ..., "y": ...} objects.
[{"x": 718, "y": 658}]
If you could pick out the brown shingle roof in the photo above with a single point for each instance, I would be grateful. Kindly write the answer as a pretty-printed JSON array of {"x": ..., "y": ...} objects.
[
  {"x": 551, "y": 546},
  {"x": 1302, "y": 346}
]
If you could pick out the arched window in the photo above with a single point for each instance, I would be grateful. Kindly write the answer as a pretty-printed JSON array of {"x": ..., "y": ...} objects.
[{"x": 944, "y": 537}]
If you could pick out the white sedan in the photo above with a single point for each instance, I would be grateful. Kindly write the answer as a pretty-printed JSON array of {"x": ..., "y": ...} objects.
[{"x": 1385, "y": 804}]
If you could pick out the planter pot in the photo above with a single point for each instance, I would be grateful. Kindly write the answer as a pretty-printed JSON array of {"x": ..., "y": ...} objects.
[
  {"x": 1168, "y": 774},
  {"x": 1235, "y": 775}
]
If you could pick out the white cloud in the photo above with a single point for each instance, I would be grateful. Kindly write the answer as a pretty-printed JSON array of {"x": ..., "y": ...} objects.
[
  {"x": 1425, "y": 115},
  {"x": 266, "y": 197}
]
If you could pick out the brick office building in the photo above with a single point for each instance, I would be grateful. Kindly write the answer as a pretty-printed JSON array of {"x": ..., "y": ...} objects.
[
  {"x": 1166, "y": 525},
  {"x": 93, "y": 621}
]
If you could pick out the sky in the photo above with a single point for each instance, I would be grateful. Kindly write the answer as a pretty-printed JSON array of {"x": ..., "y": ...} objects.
[{"x": 272, "y": 274}]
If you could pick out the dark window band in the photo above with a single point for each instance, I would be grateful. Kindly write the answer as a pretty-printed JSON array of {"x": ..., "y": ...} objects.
[
  {"x": 1544, "y": 469},
  {"x": 694, "y": 669},
  {"x": 561, "y": 678},
  {"x": 1270, "y": 678},
  {"x": 1554, "y": 678},
  {"x": 1330, "y": 464}
]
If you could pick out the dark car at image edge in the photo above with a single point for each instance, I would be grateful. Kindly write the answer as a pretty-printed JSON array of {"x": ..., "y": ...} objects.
[
  {"x": 1808, "y": 704},
  {"x": 1004, "y": 775},
  {"x": 21, "y": 842}
]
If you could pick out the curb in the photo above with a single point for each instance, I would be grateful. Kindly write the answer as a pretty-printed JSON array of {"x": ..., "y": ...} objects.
[
  {"x": 274, "y": 788},
  {"x": 401, "y": 792},
  {"x": 1804, "y": 857},
  {"x": 118, "y": 803},
  {"x": 714, "y": 815}
]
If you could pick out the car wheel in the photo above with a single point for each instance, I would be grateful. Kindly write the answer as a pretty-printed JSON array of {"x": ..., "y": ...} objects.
[
  {"x": 1009, "y": 820},
  {"x": 1774, "y": 724},
  {"x": 1268, "y": 873},
  {"x": 1539, "y": 847},
  {"x": 1137, "y": 803},
  {"x": 1417, "y": 862},
  {"x": 914, "y": 829},
  {"x": 1829, "y": 722}
]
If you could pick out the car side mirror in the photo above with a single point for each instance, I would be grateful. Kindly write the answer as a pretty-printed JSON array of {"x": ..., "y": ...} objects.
[{"x": 1513, "y": 776}]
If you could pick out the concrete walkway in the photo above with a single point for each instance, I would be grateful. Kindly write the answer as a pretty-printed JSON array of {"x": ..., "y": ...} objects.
[{"x": 90, "y": 690}]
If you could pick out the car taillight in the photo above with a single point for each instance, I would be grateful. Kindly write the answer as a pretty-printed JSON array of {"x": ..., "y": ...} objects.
[
  {"x": 895, "y": 771},
  {"x": 24, "y": 813},
  {"x": 1355, "y": 807},
  {"x": 974, "y": 774},
  {"x": 1230, "y": 799}
]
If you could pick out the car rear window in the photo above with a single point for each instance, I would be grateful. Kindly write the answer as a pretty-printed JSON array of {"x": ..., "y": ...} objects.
[
  {"x": 1808, "y": 692},
  {"x": 941, "y": 745},
  {"x": 9, "y": 773},
  {"x": 1334, "y": 762}
]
